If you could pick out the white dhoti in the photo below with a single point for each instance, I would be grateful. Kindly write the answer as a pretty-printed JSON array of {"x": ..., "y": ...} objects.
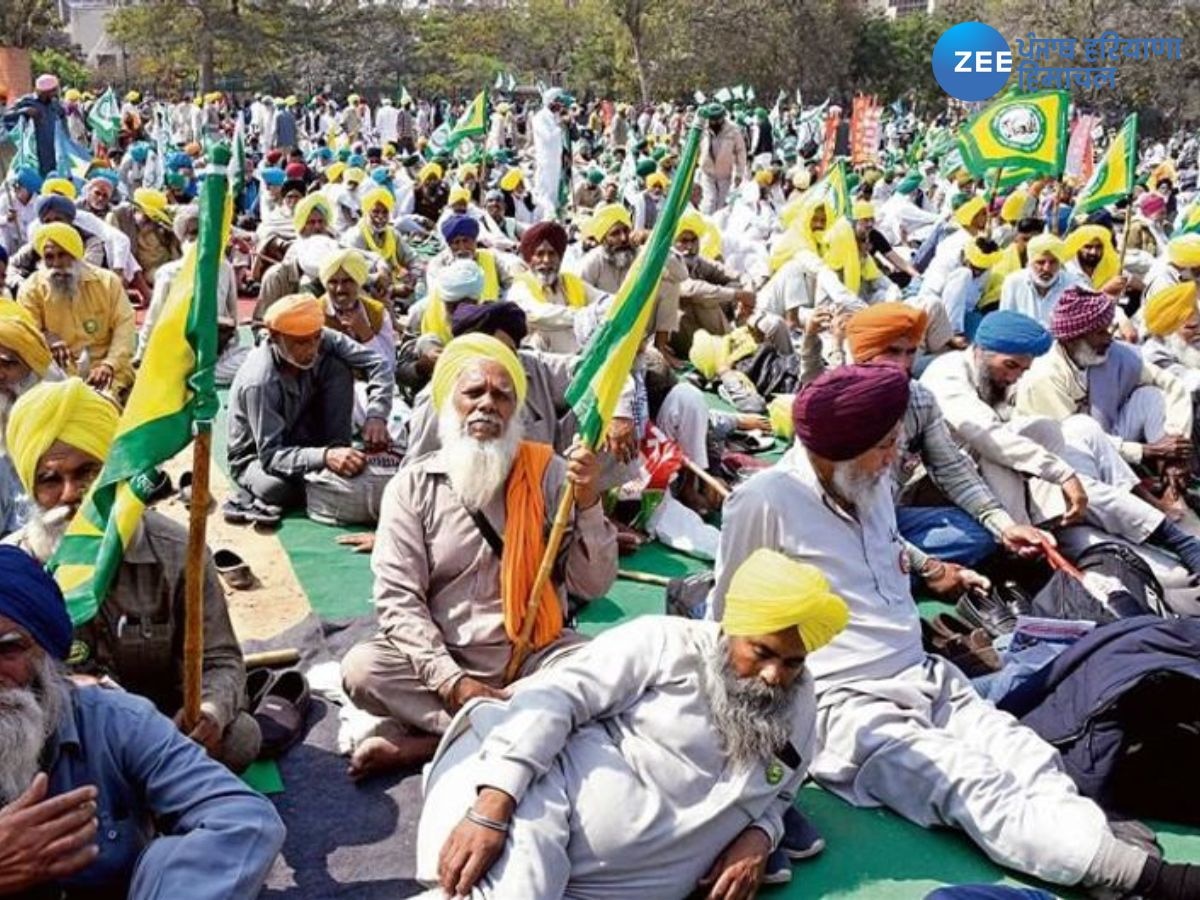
[
  {"x": 927, "y": 746},
  {"x": 1106, "y": 477},
  {"x": 1144, "y": 415}
]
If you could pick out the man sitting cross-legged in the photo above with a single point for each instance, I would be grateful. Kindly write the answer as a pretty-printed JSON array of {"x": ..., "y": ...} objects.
[{"x": 460, "y": 537}]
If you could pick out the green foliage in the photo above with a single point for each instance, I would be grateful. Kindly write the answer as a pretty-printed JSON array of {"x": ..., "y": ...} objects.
[
  {"x": 70, "y": 70},
  {"x": 28, "y": 23}
]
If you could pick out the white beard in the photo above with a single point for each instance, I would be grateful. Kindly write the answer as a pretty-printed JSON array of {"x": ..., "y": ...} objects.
[
  {"x": 852, "y": 484},
  {"x": 478, "y": 469},
  {"x": 1084, "y": 356},
  {"x": 45, "y": 529},
  {"x": 28, "y": 716},
  {"x": 1186, "y": 353}
]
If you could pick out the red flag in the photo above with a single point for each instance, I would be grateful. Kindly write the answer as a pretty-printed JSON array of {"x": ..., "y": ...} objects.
[{"x": 661, "y": 458}]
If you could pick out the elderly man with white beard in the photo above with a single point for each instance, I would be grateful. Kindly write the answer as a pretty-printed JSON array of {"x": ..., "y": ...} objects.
[
  {"x": 1172, "y": 323},
  {"x": 460, "y": 537},
  {"x": 59, "y": 435},
  {"x": 100, "y": 796},
  {"x": 658, "y": 759},
  {"x": 1043, "y": 471},
  {"x": 1034, "y": 290},
  {"x": 896, "y": 727},
  {"x": 24, "y": 361},
  {"x": 1145, "y": 410},
  {"x": 83, "y": 311}
]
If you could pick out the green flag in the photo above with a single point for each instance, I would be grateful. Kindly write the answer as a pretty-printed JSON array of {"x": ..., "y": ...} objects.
[
  {"x": 609, "y": 356},
  {"x": 104, "y": 118},
  {"x": 472, "y": 123},
  {"x": 26, "y": 156},
  {"x": 1113, "y": 178},
  {"x": 173, "y": 396},
  {"x": 1025, "y": 130}
]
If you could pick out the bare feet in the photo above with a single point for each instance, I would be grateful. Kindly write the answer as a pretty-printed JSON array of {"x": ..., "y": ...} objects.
[
  {"x": 359, "y": 543},
  {"x": 376, "y": 755}
]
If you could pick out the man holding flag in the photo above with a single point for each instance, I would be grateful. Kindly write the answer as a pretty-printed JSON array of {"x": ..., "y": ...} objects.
[
  {"x": 124, "y": 572},
  {"x": 46, "y": 112}
]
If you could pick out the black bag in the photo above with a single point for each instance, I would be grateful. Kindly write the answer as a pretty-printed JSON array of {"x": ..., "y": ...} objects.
[
  {"x": 1141, "y": 594},
  {"x": 771, "y": 373}
]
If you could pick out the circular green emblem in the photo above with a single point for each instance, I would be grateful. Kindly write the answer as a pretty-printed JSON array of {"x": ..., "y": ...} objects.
[
  {"x": 1021, "y": 127},
  {"x": 79, "y": 654},
  {"x": 774, "y": 772},
  {"x": 90, "y": 326}
]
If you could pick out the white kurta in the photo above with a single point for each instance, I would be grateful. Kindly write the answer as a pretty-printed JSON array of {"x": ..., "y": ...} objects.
[
  {"x": 897, "y": 728},
  {"x": 623, "y": 788},
  {"x": 547, "y": 158}
]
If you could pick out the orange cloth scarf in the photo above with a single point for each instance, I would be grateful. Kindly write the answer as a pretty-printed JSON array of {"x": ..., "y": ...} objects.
[{"x": 524, "y": 545}]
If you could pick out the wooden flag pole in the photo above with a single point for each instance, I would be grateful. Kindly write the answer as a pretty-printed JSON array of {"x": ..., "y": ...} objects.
[
  {"x": 708, "y": 479},
  {"x": 521, "y": 648},
  {"x": 1125, "y": 234},
  {"x": 193, "y": 596}
]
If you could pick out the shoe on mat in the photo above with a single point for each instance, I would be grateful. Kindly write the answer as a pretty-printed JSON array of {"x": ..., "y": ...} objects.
[
  {"x": 258, "y": 682},
  {"x": 801, "y": 840},
  {"x": 779, "y": 868},
  {"x": 281, "y": 714}
]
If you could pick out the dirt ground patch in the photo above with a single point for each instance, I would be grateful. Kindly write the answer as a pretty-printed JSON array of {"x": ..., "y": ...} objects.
[{"x": 277, "y": 601}]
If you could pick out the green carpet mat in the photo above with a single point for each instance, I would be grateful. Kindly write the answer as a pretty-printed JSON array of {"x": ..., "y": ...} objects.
[
  {"x": 263, "y": 775},
  {"x": 871, "y": 855}
]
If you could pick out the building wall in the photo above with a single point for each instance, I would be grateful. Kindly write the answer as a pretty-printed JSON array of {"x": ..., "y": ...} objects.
[{"x": 16, "y": 75}]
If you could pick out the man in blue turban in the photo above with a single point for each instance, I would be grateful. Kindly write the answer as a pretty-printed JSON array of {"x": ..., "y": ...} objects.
[
  {"x": 75, "y": 757},
  {"x": 1043, "y": 472}
]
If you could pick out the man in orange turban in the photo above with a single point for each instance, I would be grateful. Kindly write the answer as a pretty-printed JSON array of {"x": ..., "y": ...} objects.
[{"x": 291, "y": 407}]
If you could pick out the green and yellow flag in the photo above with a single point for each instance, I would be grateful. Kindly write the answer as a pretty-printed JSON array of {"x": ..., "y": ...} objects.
[
  {"x": 609, "y": 356},
  {"x": 1024, "y": 130},
  {"x": 472, "y": 123},
  {"x": 173, "y": 397},
  {"x": 1113, "y": 178},
  {"x": 837, "y": 189}
]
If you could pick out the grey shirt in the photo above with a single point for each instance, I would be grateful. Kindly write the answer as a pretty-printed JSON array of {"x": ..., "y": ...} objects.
[{"x": 265, "y": 404}]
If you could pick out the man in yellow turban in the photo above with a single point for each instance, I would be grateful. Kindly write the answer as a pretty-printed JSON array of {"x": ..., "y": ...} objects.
[
  {"x": 1173, "y": 326},
  {"x": 82, "y": 310},
  {"x": 1089, "y": 254},
  {"x": 729, "y": 705},
  {"x": 895, "y": 726},
  {"x": 350, "y": 311},
  {"x": 59, "y": 435},
  {"x": 970, "y": 215},
  {"x": 291, "y": 408},
  {"x": 713, "y": 293},
  {"x": 1034, "y": 290},
  {"x": 1181, "y": 263},
  {"x": 375, "y": 236},
  {"x": 431, "y": 192},
  {"x": 459, "y": 541},
  {"x": 24, "y": 361},
  {"x": 604, "y": 267}
]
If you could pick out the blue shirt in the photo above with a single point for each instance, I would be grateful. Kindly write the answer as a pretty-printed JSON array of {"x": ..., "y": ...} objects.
[{"x": 173, "y": 823}]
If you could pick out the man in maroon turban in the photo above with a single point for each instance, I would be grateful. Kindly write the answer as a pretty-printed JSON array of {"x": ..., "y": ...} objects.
[
  {"x": 550, "y": 297},
  {"x": 896, "y": 727}
]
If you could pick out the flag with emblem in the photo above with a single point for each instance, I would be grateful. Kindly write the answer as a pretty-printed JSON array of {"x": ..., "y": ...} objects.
[
  {"x": 472, "y": 123},
  {"x": 608, "y": 358},
  {"x": 174, "y": 391},
  {"x": 1113, "y": 178},
  {"x": 71, "y": 159},
  {"x": 1025, "y": 130},
  {"x": 104, "y": 118}
]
